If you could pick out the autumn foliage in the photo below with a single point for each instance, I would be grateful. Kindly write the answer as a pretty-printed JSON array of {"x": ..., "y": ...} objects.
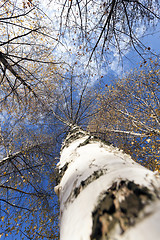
[{"x": 129, "y": 114}]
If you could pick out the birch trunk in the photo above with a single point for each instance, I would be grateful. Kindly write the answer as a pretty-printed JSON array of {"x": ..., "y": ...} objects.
[{"x": 104, "y": 194}]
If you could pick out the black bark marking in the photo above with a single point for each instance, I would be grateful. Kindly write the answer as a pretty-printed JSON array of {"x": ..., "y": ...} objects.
[
  {"x": 85, "y": 142},
  {"x": 74, "y": 134},
  {"x": 59, "y": 173},
  {"x": 121, "y": 205},
  {"x": 95, "y": 175}
]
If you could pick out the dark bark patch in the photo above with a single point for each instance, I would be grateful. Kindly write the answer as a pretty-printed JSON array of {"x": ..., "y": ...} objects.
[
  {"x": 121, "y": 206},
  {"x": 85, "y": 142},
  {"x": 95, "y": 175},
  {"x": 59, "y": 173},
  {"x": 74, "y": 134},
  {"x": 92, "y": 139}
]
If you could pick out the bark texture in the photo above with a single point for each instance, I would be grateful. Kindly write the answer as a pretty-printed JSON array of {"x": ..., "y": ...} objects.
[{"x": 103, "y": 193}]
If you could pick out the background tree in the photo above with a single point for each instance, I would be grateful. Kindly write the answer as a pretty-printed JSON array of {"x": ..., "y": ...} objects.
[
  {"x": 109, "y": 27},
  {"x": 129, "y": 116},
  {"x": 27, "y": 149},
  {"x": 25, "y": 46}
]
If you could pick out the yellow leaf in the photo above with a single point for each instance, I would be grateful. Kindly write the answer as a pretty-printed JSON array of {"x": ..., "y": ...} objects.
[
  {"x": 1, "y": 235},
  {"x": 12, "y": 228}
]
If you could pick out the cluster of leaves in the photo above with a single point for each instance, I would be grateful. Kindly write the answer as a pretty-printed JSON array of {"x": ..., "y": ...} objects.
[{"x": 129, "y": 114}]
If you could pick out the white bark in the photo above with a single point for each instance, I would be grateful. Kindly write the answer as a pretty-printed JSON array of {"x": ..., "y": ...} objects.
[{"x": 90, "y": 175}]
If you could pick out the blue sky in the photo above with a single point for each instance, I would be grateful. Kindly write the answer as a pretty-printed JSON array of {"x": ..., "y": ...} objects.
[{"x": 132, "y": 59}]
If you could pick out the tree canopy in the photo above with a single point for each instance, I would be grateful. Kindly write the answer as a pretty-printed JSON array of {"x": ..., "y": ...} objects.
[
  {"x": 129, "y": 114},
  {"x": 49, "y": 81}
]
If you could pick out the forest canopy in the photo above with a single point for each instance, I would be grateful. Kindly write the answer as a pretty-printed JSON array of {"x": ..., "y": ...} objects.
[{"x": 52, "y": 57}]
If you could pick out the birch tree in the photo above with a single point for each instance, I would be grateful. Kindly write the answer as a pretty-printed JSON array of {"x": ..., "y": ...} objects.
[{"x": 103, "y": 193}]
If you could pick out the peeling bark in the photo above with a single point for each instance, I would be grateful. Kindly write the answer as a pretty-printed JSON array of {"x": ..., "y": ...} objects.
[
  {"x": 103, "y": 193},
  {"x": 121, "y": 208}
]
